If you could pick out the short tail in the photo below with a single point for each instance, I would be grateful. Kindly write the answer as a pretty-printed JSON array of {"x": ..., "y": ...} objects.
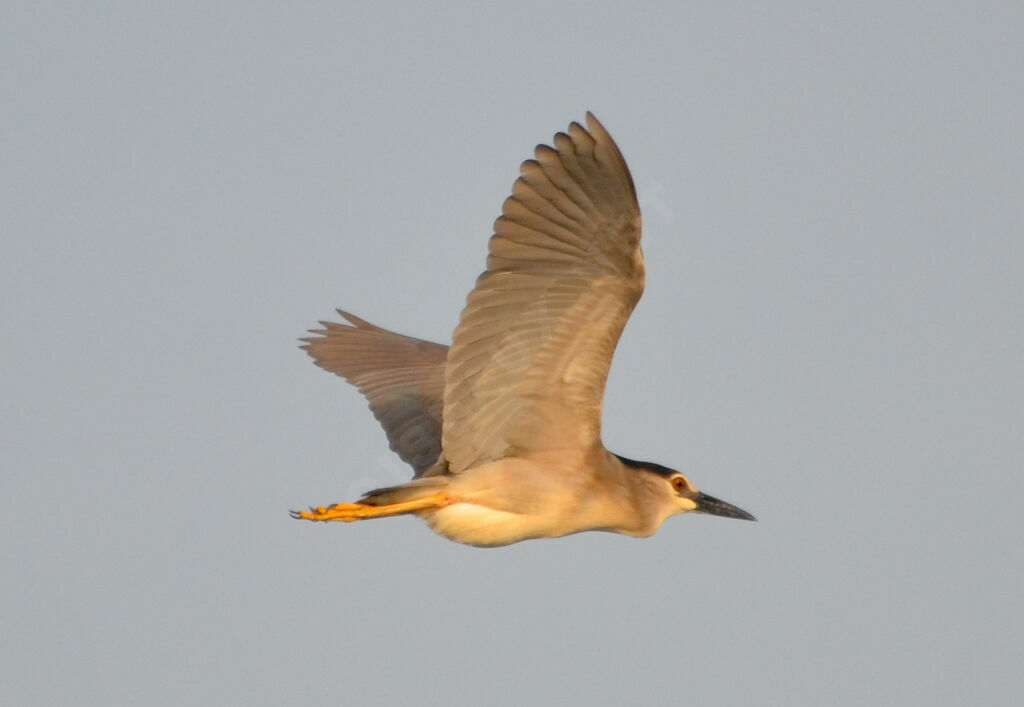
[{"x": 403, "y": 493}]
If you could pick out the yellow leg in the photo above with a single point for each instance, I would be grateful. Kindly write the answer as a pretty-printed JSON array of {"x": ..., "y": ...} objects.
[{"x": 348, "y": 512}]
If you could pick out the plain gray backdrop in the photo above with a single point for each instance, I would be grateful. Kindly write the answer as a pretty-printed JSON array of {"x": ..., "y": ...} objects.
[{"x": 831, "y": 338}]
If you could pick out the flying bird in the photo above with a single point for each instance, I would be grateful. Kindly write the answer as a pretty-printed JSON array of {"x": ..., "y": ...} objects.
[{"x": 503, "y": 427}]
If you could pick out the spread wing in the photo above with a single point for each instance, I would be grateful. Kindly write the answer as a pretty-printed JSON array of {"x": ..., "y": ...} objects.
[
  {"x": 527, "y": 368},
  {"x": 402, "y": 377}
]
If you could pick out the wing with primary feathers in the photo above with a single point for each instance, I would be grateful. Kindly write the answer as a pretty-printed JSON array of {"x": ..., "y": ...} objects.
[
  {"x": 527, "y": 368},
  {"x": 402, "y": 377}
]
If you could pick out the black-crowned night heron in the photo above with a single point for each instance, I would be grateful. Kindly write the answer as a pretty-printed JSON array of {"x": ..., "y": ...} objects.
[{"x": 503, "y": 428}]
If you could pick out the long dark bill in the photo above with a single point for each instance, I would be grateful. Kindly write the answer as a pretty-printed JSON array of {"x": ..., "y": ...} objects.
[{"x": 713, "y": 506}]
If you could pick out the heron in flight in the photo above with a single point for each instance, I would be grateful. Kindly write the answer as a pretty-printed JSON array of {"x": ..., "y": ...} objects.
[{"x": 503, "y": 428}]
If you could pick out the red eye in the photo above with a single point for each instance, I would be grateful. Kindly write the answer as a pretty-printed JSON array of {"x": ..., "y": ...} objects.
[{"x": 679, "y": 483}]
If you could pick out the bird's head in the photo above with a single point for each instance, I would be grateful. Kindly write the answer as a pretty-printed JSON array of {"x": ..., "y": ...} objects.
[{"x": 676, "y": 491}]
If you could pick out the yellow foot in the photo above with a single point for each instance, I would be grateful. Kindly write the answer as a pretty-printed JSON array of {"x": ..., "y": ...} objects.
[{"x": 348, "y": 512}]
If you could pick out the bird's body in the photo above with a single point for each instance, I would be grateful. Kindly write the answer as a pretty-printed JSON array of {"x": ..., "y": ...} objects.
[
  {"x": 503, "y": 428},
  {"x": 556, "y": 493}
]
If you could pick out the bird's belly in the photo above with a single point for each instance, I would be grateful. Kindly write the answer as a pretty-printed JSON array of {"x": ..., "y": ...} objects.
[{"x": 486, "y": 527}]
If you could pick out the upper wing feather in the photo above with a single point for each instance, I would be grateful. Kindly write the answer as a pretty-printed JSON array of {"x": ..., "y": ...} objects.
[
  {"x": 527, "y": 368},
  {"x": 402, "y": 377}
]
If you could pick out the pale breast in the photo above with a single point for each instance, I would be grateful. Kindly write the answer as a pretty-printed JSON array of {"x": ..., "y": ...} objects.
[{"x": 478, "y": 525}]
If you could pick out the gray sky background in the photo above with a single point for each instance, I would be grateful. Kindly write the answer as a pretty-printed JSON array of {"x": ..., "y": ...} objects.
[{"x": 831, "y": 338}]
